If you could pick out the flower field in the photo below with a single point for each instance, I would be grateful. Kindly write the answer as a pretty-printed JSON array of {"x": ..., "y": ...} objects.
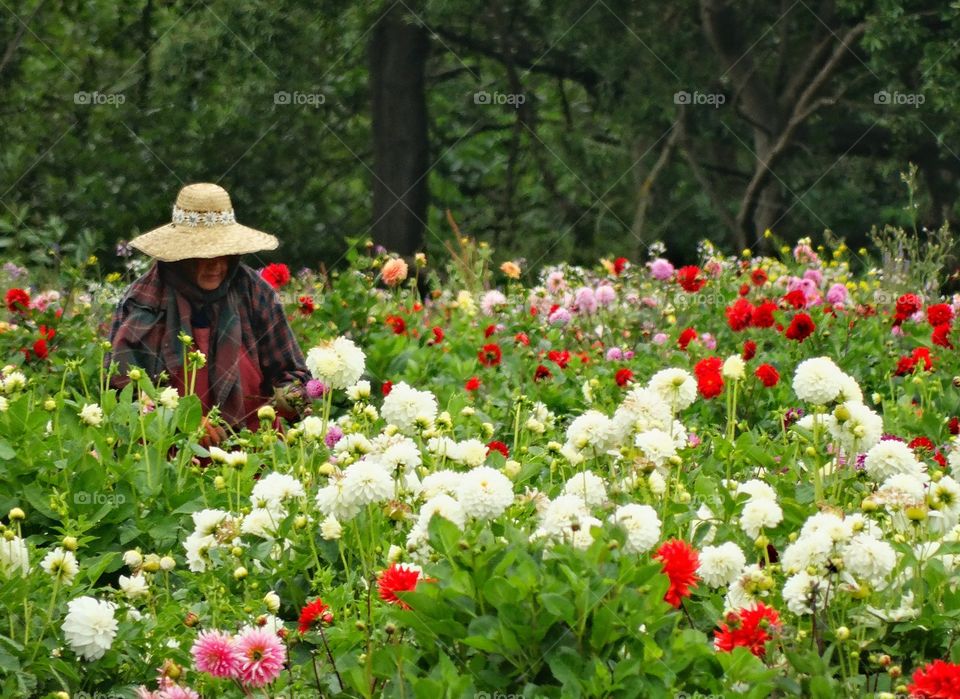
[{"x": 735, "y": 478}]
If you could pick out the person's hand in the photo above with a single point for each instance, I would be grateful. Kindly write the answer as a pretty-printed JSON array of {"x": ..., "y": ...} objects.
[
  {"x": 288, "y": 400},
  {"x": 212, "y": 434}
]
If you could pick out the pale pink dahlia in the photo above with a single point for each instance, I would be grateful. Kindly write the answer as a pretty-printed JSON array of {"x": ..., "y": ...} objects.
[
  {"x": 216, "y": 653},
  {"x": 262, "y": 657}
]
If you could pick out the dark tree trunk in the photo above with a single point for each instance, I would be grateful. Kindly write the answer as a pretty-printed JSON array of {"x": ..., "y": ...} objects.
[{"x": 398, "y": 55}]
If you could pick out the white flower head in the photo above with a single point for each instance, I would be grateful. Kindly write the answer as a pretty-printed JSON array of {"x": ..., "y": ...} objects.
[
  {"x": 61, "y": 565},
  {"x": 676, "y": 387},
  {"x": 338, "y": 364},
  {"x": 818, "y": 380},
  {"x": 91, "y": 414},
  {"x": 485, "y": 493},
  {"x": 720, "y": 565},
  {"x": 90, "y": 627},
  {"x": 407, "y": 408},
  {"x": 641, "y": 524}
]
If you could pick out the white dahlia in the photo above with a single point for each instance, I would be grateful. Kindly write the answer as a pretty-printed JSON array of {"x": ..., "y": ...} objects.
[
  {"x": 405, "y": 407},
  {"x": 90, "y": 627},
  {"x": 889, "y": 458},
  {"x": 818, "y": 380},
  {"x": 641, "y": 524},
  {"x": 676, "y": 387},
  {"x": 721, "y": 565},
  {"x": 337, "y": 364},
  {"x": 484, "y": 493},
  {"x": 588, "y": 486}
]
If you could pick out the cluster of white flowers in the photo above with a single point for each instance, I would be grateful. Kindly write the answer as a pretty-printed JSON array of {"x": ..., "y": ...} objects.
[
  {"x": 566, "y": 519},
  {"x": 212, "y": 529},
  {"x": 338, "y": 364},
  {"x": 408, "y": 408}
]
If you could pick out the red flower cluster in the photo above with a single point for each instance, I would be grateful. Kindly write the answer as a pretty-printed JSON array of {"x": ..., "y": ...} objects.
[
  {"x": 40, "y": 349},
  {"x": 936, "y": 680},
  {"x": 709, "y": 379},
  {"x": 768, "y": 376},
  {"x": 307, "y": 305},
  {"x": 398, "y": 324},
  {"x": 758, "y": 277},
  {"x": 500, "y": 447},
  {"x": 472, "y": 384},
  {"x": 276, "y": 275},
  {"x": 919, "y": 357},
  {"x": 437, "y": 335},
  {"x": 750, "y": 627},
  {"x": 18, "y": 301},
  {"x": 680, "y": 562},
  {"x": 740, "y": 315},
  {"x": 313, "y": 613},
  {"x": 689, "y": 278},
  {"x": 801, "y": 327},
  {"x": 399, "y": 577},
  {"x": 624, "y": 376},
  {"x": 490, "y": 355},
  {"x": 686, "y": 337}
]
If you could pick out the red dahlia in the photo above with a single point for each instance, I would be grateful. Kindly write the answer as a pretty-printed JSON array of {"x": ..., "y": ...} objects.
[
  {"x": 939, "y": 314},
  {"x": 801, "y": 327},
  {"x": 521, "y": 339},
  {"x": 907, "y": 305},
  {"x": 689, "y": 278},
  {"x": 473, "y": 383},
  {"x": 768, "y": 375},
  {"x": 541, "y": 373},
  {"x": 710, "y": 385},
  {"x": 561, "y": 359},
  {"x": 763, "y": 315},
  {"x": 936, "y": 680},
  {"x": 489, "y": 330},
  {"x": 399, "y": 577},
  {"x": 18, "y": 301},
  {"x": 749, "y": 350},
  {"x": 795, "y": 298},
  {"x": 739, "y": 315},
  {"x": 500, "y": 447},
  {"x": 386, "y": 387},
  {"x": 941, "y": 336},
  {"x": 307, "y": 305},
  {"x": 619, "y": 265},
  {"x": 750, "y": 627},
  {"x": 680, "y": 562},
  {"x": 624, "y": 376},
  {"x": 489, "y": 355},
  {"x": 312, "y": 613},
  {"x": 758, "y": 277},
  {"x": 686, "y": 337},
  {"x": 954, "y": 425},
  {"x": 276, "y": 275},
  {"x": 710, "y": 365},
  {"x": 398, "y": 324}
]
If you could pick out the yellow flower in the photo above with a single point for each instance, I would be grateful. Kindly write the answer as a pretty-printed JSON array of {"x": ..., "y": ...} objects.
[
  {"x": 92, "y": 260},
  {"x": 113, "y": 277},
  {"x": 746, "y": 252},
  {"x": 510, "y": 269},
  {"x": 465, "y": 303},
  {"x": 768, "y": 233}
]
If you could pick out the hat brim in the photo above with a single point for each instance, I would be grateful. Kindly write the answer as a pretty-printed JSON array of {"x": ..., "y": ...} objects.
[{"x": 172, "y": 242}]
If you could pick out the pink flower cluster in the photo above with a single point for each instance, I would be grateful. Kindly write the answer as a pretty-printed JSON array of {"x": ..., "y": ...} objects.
[{"x": 255, "y": 657}]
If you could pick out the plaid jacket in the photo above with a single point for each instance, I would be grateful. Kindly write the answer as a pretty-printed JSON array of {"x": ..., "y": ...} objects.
[{"x": 140, "y": 336}]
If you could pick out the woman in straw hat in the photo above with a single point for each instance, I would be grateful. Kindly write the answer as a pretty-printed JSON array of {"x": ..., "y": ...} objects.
[{"x": 198, "y": 288}]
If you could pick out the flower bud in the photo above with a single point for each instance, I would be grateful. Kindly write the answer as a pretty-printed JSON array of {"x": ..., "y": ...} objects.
[
  {"x": 219, "y": 483},
  {"x": 70, "y": 543},
  {"x": 167, "y": 563},
  {"x": 272, "y": 602},
  {"x": 135, "y": 374},
  {"x": 266, "y": 413},
  {"x": 151, "y": 563},
  {"x": 49, "y": 404},
  {"x": 191, "y": 620},
  {"x": 239, "y": 573},
  {"x": 16, "y": 515},
  {"x": 843, "y": 633}
]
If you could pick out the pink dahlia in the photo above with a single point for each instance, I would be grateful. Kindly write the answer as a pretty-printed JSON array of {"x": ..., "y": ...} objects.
[
  {"x": 262, "y": 657},
  {"x": 216, "y": 653}
]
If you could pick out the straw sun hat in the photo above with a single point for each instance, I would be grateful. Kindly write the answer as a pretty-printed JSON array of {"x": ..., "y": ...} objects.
[{"x": 203, "y": 226}]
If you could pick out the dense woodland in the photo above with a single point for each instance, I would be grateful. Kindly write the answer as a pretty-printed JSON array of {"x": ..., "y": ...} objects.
[{"x": 561, "y": 130}]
